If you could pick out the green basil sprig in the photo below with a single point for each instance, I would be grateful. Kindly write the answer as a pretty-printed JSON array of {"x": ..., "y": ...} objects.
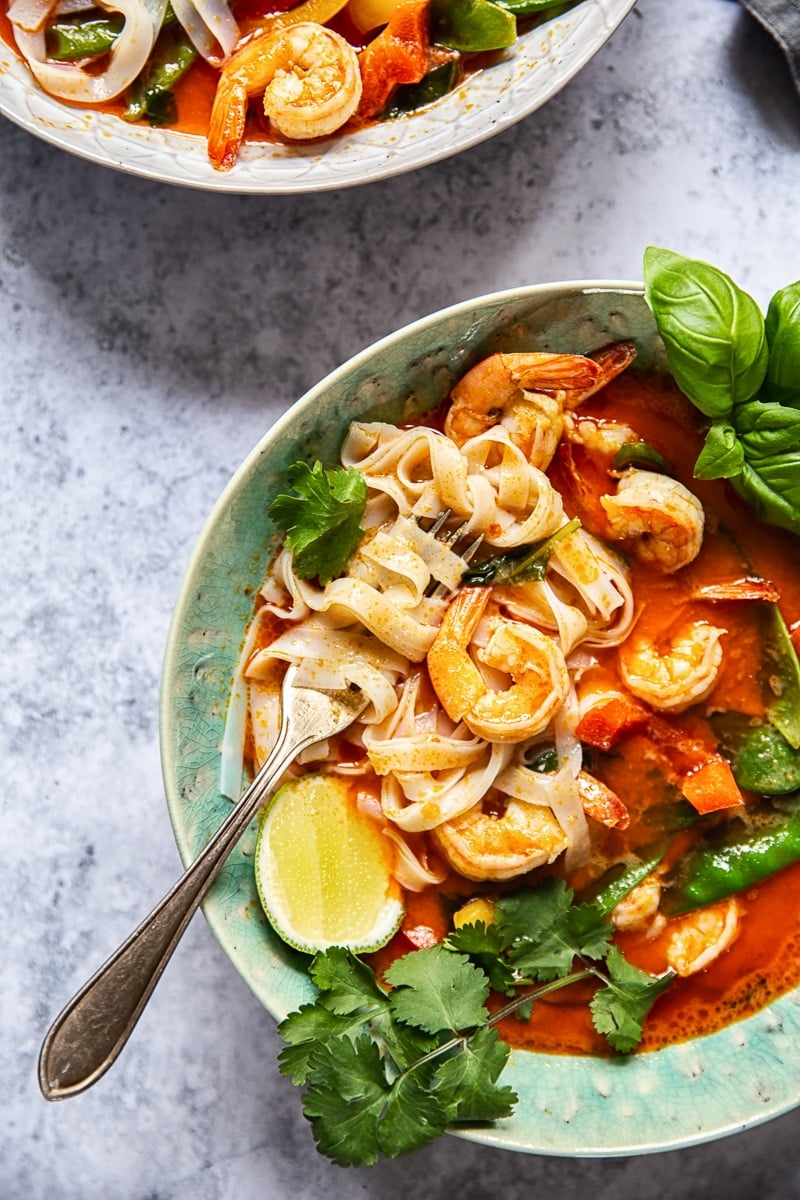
[
  {"x": 741, "y": 371},
  {"x": 520, "y": 564},
  {"x": 783, "y": 338}
]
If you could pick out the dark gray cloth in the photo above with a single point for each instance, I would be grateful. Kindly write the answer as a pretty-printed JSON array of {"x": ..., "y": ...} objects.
[{"x": 782, "y": 19}]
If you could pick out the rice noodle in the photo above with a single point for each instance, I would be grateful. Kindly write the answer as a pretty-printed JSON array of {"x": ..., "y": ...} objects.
[
  {"x": 210, "y": 26},
  {"x": 374, "y": 624}
]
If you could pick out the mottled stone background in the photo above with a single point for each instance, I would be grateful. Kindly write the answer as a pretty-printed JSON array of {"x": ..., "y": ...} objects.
[{"x": 149, "y": 336}]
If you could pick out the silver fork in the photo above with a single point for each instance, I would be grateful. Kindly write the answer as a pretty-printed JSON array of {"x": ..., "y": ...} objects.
[{"x": 86, "y": 1037}]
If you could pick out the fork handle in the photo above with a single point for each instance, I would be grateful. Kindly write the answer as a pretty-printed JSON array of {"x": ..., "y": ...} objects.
[{"x": 86, "y": 1037}]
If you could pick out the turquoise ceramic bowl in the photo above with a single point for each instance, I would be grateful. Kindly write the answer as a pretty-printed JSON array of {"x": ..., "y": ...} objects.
[{"x": 706, "y": 1088}]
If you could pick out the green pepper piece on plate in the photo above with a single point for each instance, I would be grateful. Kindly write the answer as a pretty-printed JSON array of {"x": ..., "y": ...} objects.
[
  {"x": 472, "y": 26},
  {"x": 151, "y": 97},
  {"x": 68, "y": 40},
  {"x": 437, "y": 83}
]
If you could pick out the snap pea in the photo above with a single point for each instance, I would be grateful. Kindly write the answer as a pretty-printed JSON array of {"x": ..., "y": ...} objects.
[
  {"x": 615, "y": 883},
  {"x": 434, "y": 85},
  {"x": 765, "y": 763},
  {"x": 641, "y": 455},
  {"x": 784, "y": 709},
  {"x": 532, "y": 8},
  {"x": 734, "y": 857},
  {"x": 151, "y": 97},
  {"x": 472, "y": 26},
  {"x": 67, "y": 40}
]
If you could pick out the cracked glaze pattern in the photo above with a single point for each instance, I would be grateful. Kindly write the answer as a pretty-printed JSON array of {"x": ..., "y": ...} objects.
[
  {"x": 689, "y": 1093},
  {"x": 533, "y": 70}
]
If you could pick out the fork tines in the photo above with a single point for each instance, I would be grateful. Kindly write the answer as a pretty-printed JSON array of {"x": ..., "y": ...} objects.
[{"x": 449, "y": 538}]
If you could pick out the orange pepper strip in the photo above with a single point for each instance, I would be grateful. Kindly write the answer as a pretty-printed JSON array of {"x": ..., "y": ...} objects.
[
  {"x": 399, "y": 54},
  {"x": 711, "y": 787},
  {"x": 703, "y": 775},
  {"x": 605, "y": 723}
]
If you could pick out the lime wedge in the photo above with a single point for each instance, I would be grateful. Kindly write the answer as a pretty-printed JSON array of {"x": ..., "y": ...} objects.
[{"x": 324, "y": 869}]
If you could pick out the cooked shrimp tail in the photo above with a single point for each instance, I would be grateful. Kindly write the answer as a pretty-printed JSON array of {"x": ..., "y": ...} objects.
[
  {"x": 226, "y": 126},
  {"x": 309, "y": 77},
  {"x": 657, "y": 518},
  {"x": 527, "y": 393},
  {"x": 532, "y": 659}
]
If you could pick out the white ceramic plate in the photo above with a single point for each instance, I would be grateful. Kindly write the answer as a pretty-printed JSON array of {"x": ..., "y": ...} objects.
[{"x": 533, "y": 70}]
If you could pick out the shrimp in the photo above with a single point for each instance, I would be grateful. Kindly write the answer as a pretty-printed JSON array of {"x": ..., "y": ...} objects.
[
  {"x": 660, "y": 518},
  {"x": 533, "y": 660},
  {"x": 527, "y": 395},
  {"x": 700, "y": 937},
  {"x": 638, "y": 911},
  {"x": 480, "y": 845},
  {"x": 310, "y": 79},
  {"x": 682, "y": 676},
  {"x": 601, "y": 438}
]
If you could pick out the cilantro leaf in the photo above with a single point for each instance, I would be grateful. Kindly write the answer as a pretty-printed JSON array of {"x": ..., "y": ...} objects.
[
  {"x": 413, "y": 1115},
  {"x": 591, "y": 930},
  {"x": 405, "y": 1044},
  {"x": 345, "y": 1099},
  {"x": 484, "y": 944},
  {"x": 436, "y": 989},
  {"x": 468, "y": 1079},
  {"x": 304, "y": 1029},
  {"x": 348, "y": 984},
  {"x": 619, "y": 1009},
  {"x": 322, "y": 520},
  {"x": 549, "y": 931}
]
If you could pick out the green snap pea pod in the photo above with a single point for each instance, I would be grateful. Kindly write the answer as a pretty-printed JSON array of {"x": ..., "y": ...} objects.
[
  {"x": 434, "y": 85},
  {"x": 472, "y": 26},
  {"x": 67, "y": 41},
  {"x": 766, "y": 758},
  {"x": 532, "y": 8},
  {"x": 151, "y": 97},
  {"x": 784, "y": 710},
  {"x": 641, "y": 455},
  {"x": 615, "y": 884},
  {"x": 765, "y": 763},
  {"x": 733, "y": 858}
]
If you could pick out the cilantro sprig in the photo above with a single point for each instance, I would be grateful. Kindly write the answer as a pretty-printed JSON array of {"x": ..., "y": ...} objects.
[
  {"x": 385, "y": 1070},
  {"x": 322, "y": 520}
]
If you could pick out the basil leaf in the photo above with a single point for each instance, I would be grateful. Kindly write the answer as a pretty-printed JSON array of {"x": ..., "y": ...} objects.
[
  {"x": 722, "y": 455},
  {"x": 521, "y": 563},
  {"x": 713, "y": 332},
  {"x": 783, "y": 337},
  {"x": 770, "y": 478}
]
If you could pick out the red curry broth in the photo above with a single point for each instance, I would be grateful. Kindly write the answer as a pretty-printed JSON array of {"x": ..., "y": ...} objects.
[{"x": 764, "y": 961}]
